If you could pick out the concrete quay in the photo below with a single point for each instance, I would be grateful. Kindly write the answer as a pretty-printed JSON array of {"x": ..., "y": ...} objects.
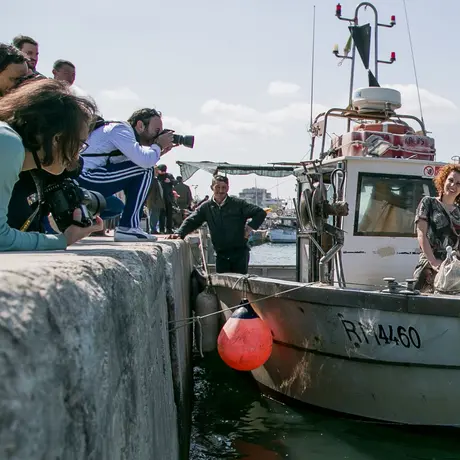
[{"x": 88, "y": 367}]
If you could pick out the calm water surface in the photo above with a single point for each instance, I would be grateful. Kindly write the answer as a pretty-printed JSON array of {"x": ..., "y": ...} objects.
[{"x": 232, "y": 420}]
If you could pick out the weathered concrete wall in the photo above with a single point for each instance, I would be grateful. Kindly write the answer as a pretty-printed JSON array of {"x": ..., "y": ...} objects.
[{"x": 85, "y": 364}]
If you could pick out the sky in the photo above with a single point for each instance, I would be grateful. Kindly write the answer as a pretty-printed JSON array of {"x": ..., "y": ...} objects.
[{"x": 237, "y": 74}]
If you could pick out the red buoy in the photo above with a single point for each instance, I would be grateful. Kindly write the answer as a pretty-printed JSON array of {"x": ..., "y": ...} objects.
[{"x": 245, "y": 342}]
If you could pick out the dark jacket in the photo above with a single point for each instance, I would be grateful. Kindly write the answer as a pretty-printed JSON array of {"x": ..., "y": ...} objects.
[
  {"x": 155, "y": 196},
  {"x": 168, "y": 187},
  {"x": 226, "y": 223},
  {"x": 185, "y": 195}
]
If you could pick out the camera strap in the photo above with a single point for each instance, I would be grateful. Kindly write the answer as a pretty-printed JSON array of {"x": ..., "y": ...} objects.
[
  {"x": 40, "y": 201},
  {"x": 115, "y": 153}
]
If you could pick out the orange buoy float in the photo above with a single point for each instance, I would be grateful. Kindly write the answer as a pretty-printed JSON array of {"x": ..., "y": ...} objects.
[{"x": 245, "y": 342}]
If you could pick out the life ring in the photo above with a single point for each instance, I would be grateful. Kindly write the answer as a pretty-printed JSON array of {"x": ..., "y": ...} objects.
[{"x": 393, "y": 128}]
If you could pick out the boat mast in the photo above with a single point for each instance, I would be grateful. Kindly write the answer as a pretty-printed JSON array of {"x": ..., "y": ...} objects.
[
  {"x": 312, "y": 67},
  {"x": 354, "y": 21}
]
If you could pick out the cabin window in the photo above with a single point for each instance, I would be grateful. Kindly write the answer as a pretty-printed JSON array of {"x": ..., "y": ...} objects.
[{"x": 386, "y": 204}]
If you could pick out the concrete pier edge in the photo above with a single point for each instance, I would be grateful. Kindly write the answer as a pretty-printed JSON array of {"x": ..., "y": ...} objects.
[{"x": 88, "y": 367}]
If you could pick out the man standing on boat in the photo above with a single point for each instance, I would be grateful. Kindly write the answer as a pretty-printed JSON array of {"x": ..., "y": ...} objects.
[{"x": 227, "y": 218}]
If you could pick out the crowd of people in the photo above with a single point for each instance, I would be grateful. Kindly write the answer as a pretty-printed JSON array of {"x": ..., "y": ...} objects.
[
  {"x": 58, "y": 150},
  {"x": 113, "y": 157}
]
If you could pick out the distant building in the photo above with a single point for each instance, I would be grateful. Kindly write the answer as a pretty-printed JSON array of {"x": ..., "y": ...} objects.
[{"x": 260, "y": 197}]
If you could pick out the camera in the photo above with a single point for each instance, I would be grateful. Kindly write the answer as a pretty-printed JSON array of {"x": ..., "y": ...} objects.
[
  {"x": 65, "y": 196},
  {"x": 178, "y": 139},
  {"x": 186, "y": 141}
]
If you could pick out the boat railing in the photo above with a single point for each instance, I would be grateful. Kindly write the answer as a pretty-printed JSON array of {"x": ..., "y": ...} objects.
[{"x": 351, "y": 114}]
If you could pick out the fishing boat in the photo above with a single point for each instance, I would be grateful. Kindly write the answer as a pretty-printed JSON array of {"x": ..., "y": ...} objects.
[
  {"x": 257, "y": 238},
  {"x": 283, "y": 230},
  {"x": 351, "y": 334}
]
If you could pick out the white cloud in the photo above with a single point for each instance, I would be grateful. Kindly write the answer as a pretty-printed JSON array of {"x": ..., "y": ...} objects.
[
  {"x": 186, "y": 127},
  {"x": 217, "y": 108},
  {"x": 232, "y": 124},
  {"x": 435, "y": 108},
  {"x": 282, "y": 88},
  {"x": 120, "y": 94},
  {"x": 294, "y": 111},
  {"x": 244, "y": 119}
]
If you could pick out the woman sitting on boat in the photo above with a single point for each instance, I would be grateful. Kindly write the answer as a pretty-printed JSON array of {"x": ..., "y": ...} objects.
[{"x": 437, "y": 222}]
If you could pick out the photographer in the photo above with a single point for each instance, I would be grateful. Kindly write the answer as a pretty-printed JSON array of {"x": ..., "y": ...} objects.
[
  {"x": 42, "y": 127},
  {"x": 121, "y": 157},
  {"x": 13, "y": 67}
]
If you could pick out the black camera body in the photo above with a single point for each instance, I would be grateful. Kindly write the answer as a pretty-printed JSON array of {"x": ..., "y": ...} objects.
[{"x": 63, "y": 197}]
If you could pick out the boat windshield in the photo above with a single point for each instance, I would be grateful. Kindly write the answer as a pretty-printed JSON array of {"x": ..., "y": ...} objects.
[{"x": 386, "y": 204}]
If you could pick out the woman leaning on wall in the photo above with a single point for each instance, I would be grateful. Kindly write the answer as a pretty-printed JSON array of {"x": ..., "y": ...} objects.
[{"x": 43, "y": 125}]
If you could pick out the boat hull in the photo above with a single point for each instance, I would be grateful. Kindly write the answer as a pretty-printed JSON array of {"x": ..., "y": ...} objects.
[
  {"x": 278, "y": 235},
  {"x": 379, "y": 356}
]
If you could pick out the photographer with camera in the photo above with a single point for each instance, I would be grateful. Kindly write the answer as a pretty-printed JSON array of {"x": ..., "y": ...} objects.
[
  {"x": 121, "y": 157},
  {"x": 42, "y": 128}
]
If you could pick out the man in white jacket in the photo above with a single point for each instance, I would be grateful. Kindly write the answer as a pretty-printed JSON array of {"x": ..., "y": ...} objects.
[{"x": 120, "y": 157}]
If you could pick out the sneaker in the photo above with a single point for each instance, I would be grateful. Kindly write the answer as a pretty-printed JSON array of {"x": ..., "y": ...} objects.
[{"x": 133, "y": 234}]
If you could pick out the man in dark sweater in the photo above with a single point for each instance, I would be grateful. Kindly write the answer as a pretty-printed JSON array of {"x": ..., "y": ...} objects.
[
  {"x": 227, "y": 218},
  {"x": 167, "y": 182}
]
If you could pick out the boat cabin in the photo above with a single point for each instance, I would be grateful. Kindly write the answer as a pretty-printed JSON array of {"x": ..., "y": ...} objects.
[{"x": 374, "y": 177}]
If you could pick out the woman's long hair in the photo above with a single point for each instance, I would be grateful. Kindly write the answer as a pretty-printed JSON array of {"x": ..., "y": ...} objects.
[{"x": 46, "y": 113}]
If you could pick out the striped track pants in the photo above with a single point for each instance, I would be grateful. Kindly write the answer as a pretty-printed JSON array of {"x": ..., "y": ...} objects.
[{"x": 133, "y": 180}]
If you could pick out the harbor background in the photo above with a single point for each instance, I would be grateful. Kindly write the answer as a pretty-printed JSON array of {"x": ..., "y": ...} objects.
[{"x": 232, "y": 420}]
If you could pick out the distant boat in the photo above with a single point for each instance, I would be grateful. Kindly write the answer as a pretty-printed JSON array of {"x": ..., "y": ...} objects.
[
  {"x": 283, "y": 230},
  {"x": 257, "y": 238}
]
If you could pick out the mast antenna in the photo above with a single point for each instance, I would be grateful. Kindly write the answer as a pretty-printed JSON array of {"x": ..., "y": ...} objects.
[
  {"x": 312, "y": 84},
  {"x": 312, "y": 68},
  {"x": 413, "y": 63}
]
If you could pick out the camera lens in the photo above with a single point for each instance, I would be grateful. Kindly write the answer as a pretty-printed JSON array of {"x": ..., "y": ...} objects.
[
  {"x": 186, "y": 141},
  {"x": 94, "y": 201}
]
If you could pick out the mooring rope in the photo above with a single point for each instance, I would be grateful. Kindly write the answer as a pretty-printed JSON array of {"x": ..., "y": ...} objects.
[
  {"x": 245, "y": 278},
  {"x": 193, "y": 319}
]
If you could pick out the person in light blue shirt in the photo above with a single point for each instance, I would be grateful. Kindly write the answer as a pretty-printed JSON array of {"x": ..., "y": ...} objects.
[{"x": 42, "y": 126}]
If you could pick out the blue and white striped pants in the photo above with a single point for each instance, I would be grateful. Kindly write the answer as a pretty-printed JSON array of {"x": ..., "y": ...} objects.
[{"x": 127, "y": 176}]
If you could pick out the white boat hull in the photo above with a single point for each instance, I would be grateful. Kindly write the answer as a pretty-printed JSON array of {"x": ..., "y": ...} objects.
[
  {"x": 330, "y": 350},
  {"x": 280, "y": 235}
]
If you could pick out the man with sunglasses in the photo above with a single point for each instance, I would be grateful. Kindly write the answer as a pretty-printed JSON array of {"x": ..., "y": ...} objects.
[{"x": 120, "y": 157}]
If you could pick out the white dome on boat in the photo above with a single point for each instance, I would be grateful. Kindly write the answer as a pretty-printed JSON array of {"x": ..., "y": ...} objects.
[{"x": 375, "y": 99}]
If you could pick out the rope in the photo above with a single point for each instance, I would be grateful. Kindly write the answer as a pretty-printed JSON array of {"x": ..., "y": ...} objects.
[
  {"x": 203, "y": 256},
  {"x": 413, "y": 63},
  {"x": 201, "y": 336},
  {"x": 245, "y": 278},
  {"x": 191, "y": 320}
]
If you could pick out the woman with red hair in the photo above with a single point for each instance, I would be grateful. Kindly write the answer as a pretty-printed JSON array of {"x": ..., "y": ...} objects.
[{"x": 437, "y": 222}]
